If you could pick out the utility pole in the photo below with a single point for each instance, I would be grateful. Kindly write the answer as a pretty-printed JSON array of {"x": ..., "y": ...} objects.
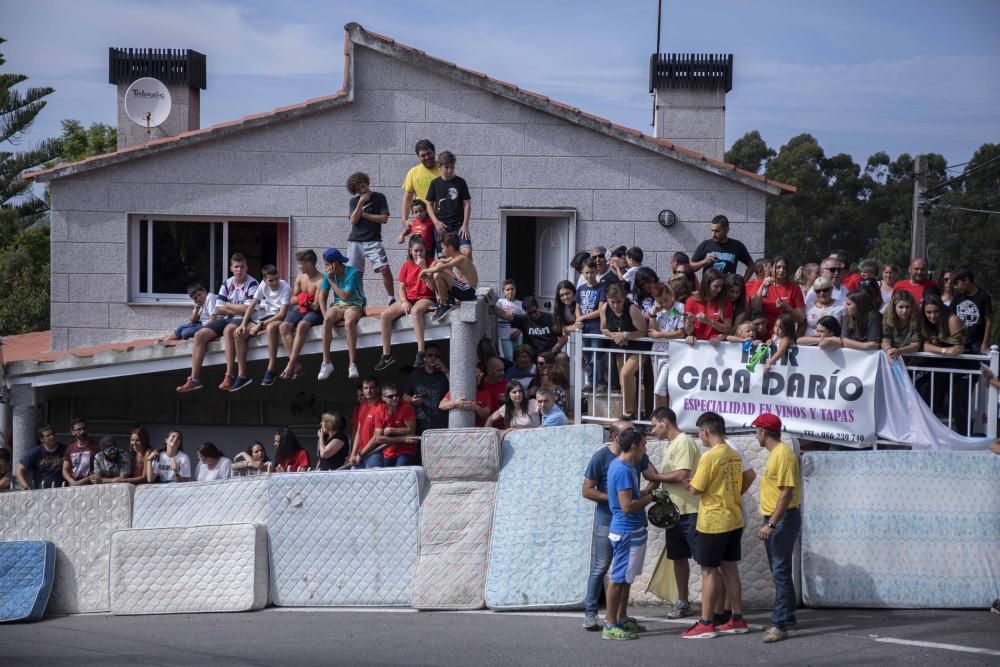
[{"x": 918, "y": 239}]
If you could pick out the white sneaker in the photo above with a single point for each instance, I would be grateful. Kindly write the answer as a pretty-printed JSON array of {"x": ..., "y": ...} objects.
[
  {"x": 325, "y": 371},
  {"x": 352, "y": 372}
]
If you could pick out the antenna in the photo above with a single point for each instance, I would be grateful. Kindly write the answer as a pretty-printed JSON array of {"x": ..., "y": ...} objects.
[{"x": 656, "y": 54}]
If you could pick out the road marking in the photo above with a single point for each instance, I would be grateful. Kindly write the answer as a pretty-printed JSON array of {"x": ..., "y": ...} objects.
[{"x": 946, "y": 647}]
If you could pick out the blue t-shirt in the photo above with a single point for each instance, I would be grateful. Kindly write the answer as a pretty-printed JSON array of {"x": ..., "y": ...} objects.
[
  {"x": 597, "y": 471},
  {"x": 351, "y": 283},
  {"x": 590, "y": 299},
  {"x": 45, "y": 466},
  {"x": 554, "y": 417},
  {"x": 622, "y": 476}
]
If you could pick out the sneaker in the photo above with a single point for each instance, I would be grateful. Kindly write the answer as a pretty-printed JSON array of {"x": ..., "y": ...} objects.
[
  {"x": 240, "y": 383},
  {"x": 633, "y": 626},
  {"x": 601, "y": 388},
  {"x": 996, "y": 606},
  {"x": 190, "y": 385},
  {"x": 680, "y": 610},
  {"x": 226, "y": 384},
  {"x": 700, "y": 631},
  {"x": 268, "y": 379},
  {"x": 384, "y": 363},
  {"x": 734, "y": 627},
  {"x": 325, "y": 371},
  {"x": 775, "y": 634},
  {"x": 352, "y": 372},
  {"x": 591, "y": 622},
  {"x": 441, "y": 313},
  {"x": 616, "y": 632},
  {"x": 587, "y": 388},
  {"x": 392, "y": 300},
  {"x": 418, "y": 360}
]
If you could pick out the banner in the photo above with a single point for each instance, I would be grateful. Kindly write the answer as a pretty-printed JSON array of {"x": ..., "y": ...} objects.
[{"x": 819, "y": 395}]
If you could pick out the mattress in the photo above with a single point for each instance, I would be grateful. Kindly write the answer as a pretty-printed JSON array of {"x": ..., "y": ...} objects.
[
  {"x": 79, "y": 521},
  {"x": 467, "y": 454},
  {"x": 345, "y": 538},
  {"x": 901, "y": 529},
  {"x": 755, "y": 574},
  {"x": 27, "y": 571},
  {"x": 211, "y": 568},
  {"x": 456, "y": 519},
  {"x": 238, "y": 500},
  {"x": 542, "y": 525}
]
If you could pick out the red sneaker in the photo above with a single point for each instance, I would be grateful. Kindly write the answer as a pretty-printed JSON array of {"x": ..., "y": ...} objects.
[
  {"x": 734, "y": 627},
  {"x": 700, "y": 631},
  {"x": 190, "y": 385},
  {"x": 226, "y": 384}
]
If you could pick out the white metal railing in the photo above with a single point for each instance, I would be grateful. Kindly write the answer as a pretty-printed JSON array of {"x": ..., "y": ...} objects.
[{"x": 941, "y": 383}]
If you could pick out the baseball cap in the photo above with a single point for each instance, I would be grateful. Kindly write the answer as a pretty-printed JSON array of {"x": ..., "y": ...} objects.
[
  {"x": 768, "y": 421},
  {"x": 333, "y": 255}
]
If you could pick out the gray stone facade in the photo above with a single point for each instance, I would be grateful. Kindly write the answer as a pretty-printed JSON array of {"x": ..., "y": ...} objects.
[{"x": 512, "y": 155}]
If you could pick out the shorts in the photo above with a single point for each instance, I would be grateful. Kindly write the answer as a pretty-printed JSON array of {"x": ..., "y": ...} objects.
[
  {"x": 713, "y": 548},
  {"x": 263, "y": 319},
  {"x": 462, "y": 291},
  {"x": 358, "y": 251},
  {"x": 219, "y": 324},
  {"x": 627, "y": 554},
  {"x": 310, "y": 317},
  {"x": 344, "y": 307},
  {"x": 682, "y": 539},
  {"x": 662, "y": 367},
  {"x": 461, "y": 242}
]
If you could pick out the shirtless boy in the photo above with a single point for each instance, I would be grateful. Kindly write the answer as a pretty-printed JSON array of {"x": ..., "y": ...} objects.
[
  {"x": 455, "y": 277},
  {"x": 304, "y": 312}
]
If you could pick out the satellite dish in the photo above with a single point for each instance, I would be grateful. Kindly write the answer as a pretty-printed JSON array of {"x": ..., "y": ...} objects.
[{"x": 147, "y": 102}]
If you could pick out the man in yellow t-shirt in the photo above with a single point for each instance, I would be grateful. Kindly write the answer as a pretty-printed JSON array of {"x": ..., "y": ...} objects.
[
  {"x": 680, "y": 460},
  {"x": 780, "y": 496},
  {"x": 718, "y": 481},
  {"x": 418, "y": 180}
]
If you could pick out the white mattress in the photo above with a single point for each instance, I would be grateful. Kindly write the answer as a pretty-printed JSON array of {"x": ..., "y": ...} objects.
[
  {"x": 467, "y": 454},
  {"x": 901, "y": 529},
  {"x": 346, "y": 538},
  {"x": 456, "y": 519},
  {"x": 79, "y": 521},
  {"x": 214, "y": 568},
  {"x": 755, "y": 574},
  {"x": 542, "y": 525},
  {"x": 239, "y": 500}
]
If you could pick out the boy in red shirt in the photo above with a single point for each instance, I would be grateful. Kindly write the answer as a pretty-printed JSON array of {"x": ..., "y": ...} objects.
[{"x": 420, "y": 225}]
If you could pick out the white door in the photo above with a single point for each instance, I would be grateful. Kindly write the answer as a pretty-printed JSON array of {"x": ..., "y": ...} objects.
[{"x": 552, "y": 253}]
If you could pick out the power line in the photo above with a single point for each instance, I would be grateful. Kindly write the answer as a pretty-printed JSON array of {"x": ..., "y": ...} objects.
[
  {"x": 962, "y": 208},
  {"x": 961, "y": 177}
]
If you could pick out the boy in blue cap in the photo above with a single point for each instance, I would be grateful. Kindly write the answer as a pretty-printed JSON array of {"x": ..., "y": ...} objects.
[{"x": 348, "y": 304}]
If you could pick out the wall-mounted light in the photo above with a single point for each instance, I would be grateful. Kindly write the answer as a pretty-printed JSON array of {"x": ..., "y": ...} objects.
[{"x": 667, "y": 218}]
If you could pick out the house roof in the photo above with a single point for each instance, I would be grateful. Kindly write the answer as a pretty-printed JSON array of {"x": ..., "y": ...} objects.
[{"x": 357, "y": 35}]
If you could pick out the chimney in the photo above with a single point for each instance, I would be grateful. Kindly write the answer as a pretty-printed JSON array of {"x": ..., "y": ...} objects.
[
  {"x": 689, "y": 103},
  {"x": 181, "y": 75}
]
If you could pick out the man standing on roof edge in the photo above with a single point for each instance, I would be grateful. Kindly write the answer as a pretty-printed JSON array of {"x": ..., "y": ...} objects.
[{"x": 418, "y": 178}]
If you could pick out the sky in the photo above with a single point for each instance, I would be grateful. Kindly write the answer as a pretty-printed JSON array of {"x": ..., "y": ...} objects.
[{"x": 897, "y": 76}]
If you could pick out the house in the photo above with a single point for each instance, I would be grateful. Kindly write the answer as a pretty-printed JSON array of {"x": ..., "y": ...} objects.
[{"x": 546, "y": 179}]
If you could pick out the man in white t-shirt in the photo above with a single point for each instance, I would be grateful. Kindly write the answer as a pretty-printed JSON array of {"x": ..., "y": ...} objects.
[{"x": 265, "y": 312}]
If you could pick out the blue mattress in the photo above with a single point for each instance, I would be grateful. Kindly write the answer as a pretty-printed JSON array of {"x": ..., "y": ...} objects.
[
  {"x": 27, "y": 571},
  {"x": 542, "y": 525}
]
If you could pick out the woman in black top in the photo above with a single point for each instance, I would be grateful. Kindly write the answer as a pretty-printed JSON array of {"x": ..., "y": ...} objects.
[
  {"x": 331, "y": 442},
  {"x": 623, "y": 322},
  {"x": 862, "y": 328}
]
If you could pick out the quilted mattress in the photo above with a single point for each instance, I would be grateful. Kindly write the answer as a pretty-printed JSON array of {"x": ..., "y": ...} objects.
[
  {"x": 755, "y": 575},
  {"x": 27, "y": 570},
  {"x": 212, "y": 568},
  {"x": 79, "y": 521},
  {"x": 345, "y": 538},
  {"x": 238, "y": 500},
  {"x": 466, "y": 454},
  {"x": 901, "y": 529},
  {"x": 542, "y": 525}
]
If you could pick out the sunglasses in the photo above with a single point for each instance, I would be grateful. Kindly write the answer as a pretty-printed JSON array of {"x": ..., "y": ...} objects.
[
  {"x": 389, "y": 397},
  {"x": 832, "y": 269},
  {"x": 821, "y": 291}
]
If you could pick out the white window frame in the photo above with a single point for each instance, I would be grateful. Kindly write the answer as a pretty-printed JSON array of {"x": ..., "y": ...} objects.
[{"x": 215, "y": 272}]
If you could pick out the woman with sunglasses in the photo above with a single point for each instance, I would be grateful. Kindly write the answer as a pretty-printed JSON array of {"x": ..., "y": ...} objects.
[{"x": 823, "y": 307}]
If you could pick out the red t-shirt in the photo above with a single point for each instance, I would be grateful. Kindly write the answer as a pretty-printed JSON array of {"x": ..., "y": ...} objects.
[
  {"x": 413, "y": 284},
  {"x": 790, "y": 292},
  {"x": 81, "y": 458},
  {"x": 484, "y": 399},
  {"x": 916, "y": 289},
  {"x": 404, "y": 413},
  {"x": 495, "y": 391},
  {"x": 296, "y": 460},
  {"x": 425, "y": 229},
  {"x": 852, "y": 281},
  {"x": 366, "y": 424},
  {"x": 703, "y": 331},
  {"x": 752, "y": 287}
]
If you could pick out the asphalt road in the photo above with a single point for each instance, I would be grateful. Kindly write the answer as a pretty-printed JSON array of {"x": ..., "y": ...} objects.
[{"x": 301, "y": 637}]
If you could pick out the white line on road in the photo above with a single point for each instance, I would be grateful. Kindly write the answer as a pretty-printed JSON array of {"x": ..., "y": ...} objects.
[{"x": 946, "y": 647}]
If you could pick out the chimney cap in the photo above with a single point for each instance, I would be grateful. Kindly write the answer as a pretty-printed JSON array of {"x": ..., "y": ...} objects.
[
  {"x": 692, "y": 71},
  {"x": 171, "y": 66}
]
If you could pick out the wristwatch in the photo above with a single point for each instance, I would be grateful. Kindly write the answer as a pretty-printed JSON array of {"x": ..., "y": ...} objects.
[{"x": 771, "y": 525}]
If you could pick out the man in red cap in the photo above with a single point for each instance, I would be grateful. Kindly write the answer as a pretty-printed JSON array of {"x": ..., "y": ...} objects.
[{"x": 780, "y": 495}]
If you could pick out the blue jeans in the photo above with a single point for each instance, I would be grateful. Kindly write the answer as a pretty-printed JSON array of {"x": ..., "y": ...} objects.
[
  {"x": 186, "y": 331},
  {"x": 779, "y": 547},
  {"x": 600, "y": 561},
  {"x": 376, "y": 460},
  {"x": 402, "y": 460},
  {"x": 598, "y": 362}
]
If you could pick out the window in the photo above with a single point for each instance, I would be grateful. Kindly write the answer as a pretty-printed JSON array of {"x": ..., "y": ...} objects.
[{"x": 168, "y": 254}]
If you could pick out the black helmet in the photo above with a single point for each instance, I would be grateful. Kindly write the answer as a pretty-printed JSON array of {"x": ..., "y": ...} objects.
[{"x": 663, "y": 513}]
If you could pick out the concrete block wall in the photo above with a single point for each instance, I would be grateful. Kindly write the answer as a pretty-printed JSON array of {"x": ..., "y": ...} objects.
[
  {"x": 695, "y": 119},
  {"x": 511, "y": 155}
]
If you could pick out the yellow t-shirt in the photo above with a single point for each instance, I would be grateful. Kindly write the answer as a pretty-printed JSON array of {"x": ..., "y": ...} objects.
[
  {"x": 418, "y": 180},
  {"x": 781, "y": 469},
  {"x": 681, "y": 453},
  {"x": 719, "y": 477}
]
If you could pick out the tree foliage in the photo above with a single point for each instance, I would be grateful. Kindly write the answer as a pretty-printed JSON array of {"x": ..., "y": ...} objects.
[{"x": 79, "y": 142}]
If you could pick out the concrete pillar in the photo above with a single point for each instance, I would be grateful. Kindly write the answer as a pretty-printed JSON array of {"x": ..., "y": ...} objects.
[
  {"x": 466, "y": 330},
  {"x": 25, "y": 422}
]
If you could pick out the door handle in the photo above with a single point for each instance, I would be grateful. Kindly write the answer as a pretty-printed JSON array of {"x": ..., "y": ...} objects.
[{"x": 548, "y": 305}]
